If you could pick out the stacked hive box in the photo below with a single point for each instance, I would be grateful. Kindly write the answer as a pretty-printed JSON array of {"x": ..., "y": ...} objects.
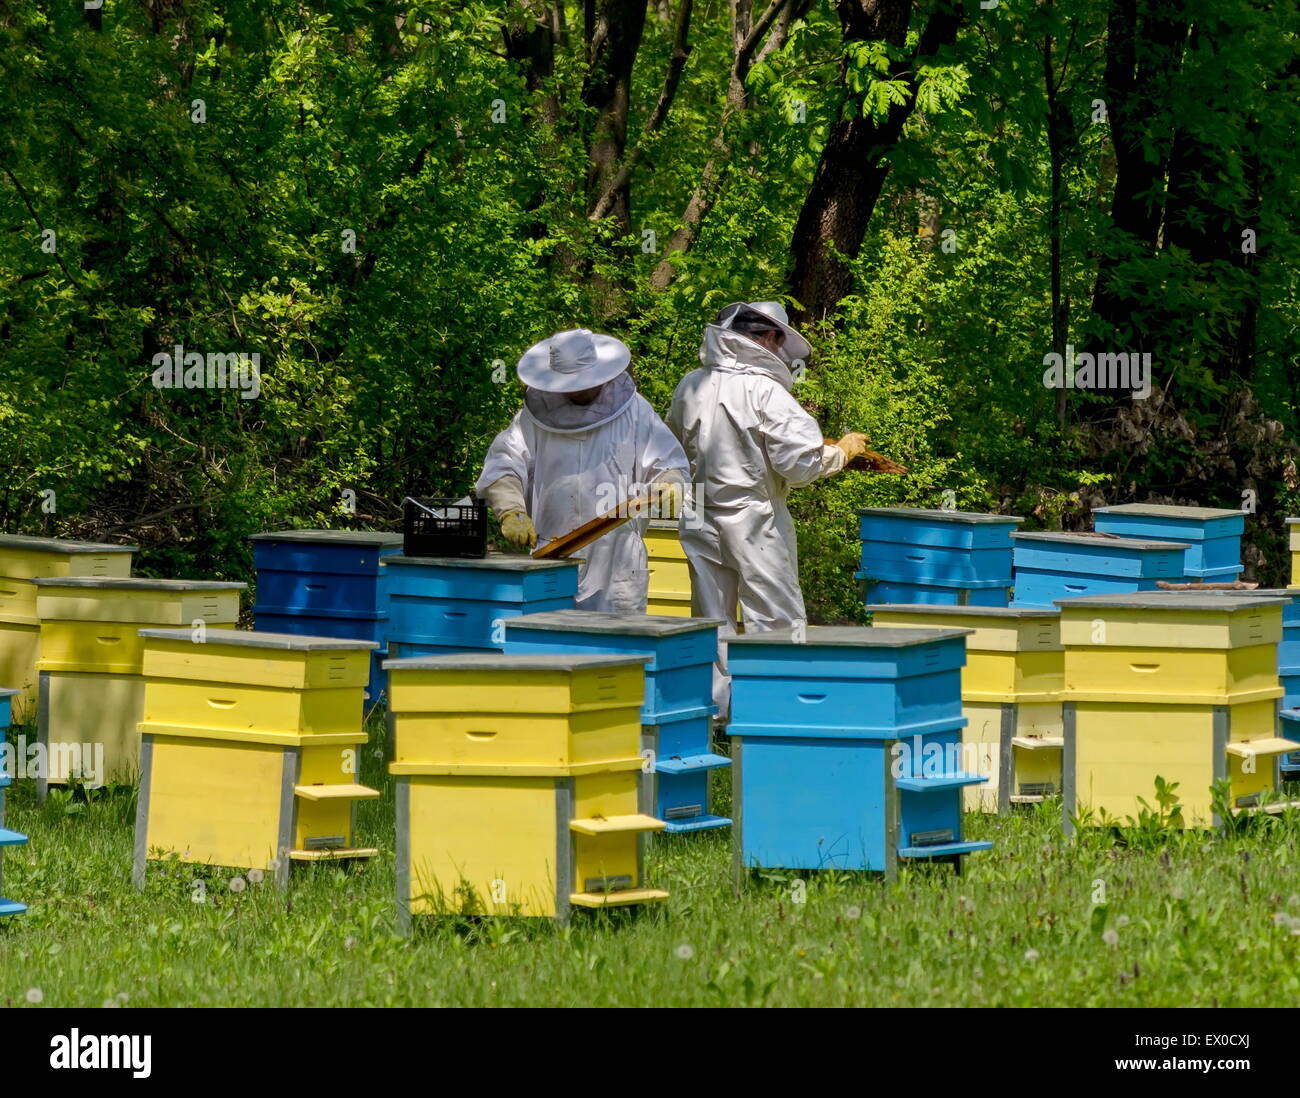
[
  {"x": 944, "y": 557},
  {"x": 23, "y": 560},
  {"x": 1293, "y": 537},
  {"x": 518, "y": 781},
  {"x": 670, "y": 575},
  {"x": 7, "y": 837},
  {"x": 676, "y": 716},
  {"x": 1011, "y": 696},
  {"x": 1212, "y": 535},
  {"x": 846, "y": 747},
  {"x": 441, "y": 605},
  {"x": 250, "y": 748},
  {"x": 91, "y": 691},
  {"x": 1183, "y": 689},
  {"x": 1051, "y": 565},
  {"x": 326, "y": 583}
]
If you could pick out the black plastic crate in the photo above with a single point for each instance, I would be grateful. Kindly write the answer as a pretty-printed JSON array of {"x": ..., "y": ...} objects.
[{"x": 461, "y": 531}]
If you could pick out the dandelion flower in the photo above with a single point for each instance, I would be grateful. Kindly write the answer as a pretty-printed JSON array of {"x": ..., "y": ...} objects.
[
  {"x": 237, "y": 884},
  {"x": 1031, "y": 955},
  {"x": 111, "y": 1003},
  {"x": 1111, "y": 936},
  {"x": 256, "y": 876},
  {"x": 1123, "y": 920},
  {"x": 35, "y": 995},
  {"x": 853, "y": 912},
  {"x": 684, "y": 952}
]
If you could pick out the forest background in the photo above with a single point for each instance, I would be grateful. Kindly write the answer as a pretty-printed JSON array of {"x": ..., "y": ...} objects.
[{"x": 389, "y": 202}]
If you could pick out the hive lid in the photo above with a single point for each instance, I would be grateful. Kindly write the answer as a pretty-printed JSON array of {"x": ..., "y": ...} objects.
[
  {"x": 140, "y": 583},
  {"x": 1067, "y": 537},
  {"x": 1014, "y": 612},
  {"x": 1241, "y": 593},
  {"x": 496, "y": 561},
  {"x": 245, "y": 638},
  {"x": 498, "y": 661},
  {"x": 59, "y": 545},
  {"x": 594, "y": 621},
  {"x": 334, "y": 537},
  {"x": 1162, "y": 510},
  {"x": 943, "y": 516},
  {"x": 1292, "y": 521},
  {"x": 1147, "y": 600},
  {"x": 863, "y": 636}
]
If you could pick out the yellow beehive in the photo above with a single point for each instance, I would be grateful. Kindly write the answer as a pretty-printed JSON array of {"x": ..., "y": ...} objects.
[
  {"x": 1011, "y": 696},
  {"x": 1293, "y": 526},
  {"x": 538, "y": 714},
  {"x": 1178, "y": 686},
  {"x": 22, "y": 560},
  {"x": 92, "y": 624},
  {"x": 249, "y": 750},
  {"x": 90, "y": 660},
  {"x": 670, "y": 575},
  {"x": 518, "y": 783}
]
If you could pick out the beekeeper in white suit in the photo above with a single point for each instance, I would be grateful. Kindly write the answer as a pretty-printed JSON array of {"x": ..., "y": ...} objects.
[
  {"x": 749, "y": 442},
  {"x": 584, "y": 441}
]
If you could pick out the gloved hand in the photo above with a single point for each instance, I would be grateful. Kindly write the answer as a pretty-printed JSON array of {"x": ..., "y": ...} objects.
[
  {"x": 666, "y": 499},
  {"x": 854, "y": 444},
  {"x": 518, "y": 529}
]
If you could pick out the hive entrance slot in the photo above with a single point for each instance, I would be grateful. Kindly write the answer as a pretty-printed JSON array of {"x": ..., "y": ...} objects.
[
  {"x": 936, "y": 837},
  {"x": 607, "y": 884}
]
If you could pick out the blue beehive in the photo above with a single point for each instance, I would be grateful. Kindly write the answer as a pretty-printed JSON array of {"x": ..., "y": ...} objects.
[
  {"x": 911, "y": 554},
  {"x": 325, "y": 583},
  {"x": 1051, "y": 565},
  {"x": 440, "y": 605},
  {"x": 846, "y": 747},
  {"x": 1289, "y": 726},
  {"x": 7, "y": 837},
  {"x": 676, "y": 717},
  {"x": 1211, "y": 535}
]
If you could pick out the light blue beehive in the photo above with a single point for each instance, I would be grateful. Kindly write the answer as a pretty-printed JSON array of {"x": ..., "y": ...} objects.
[
  {"x": 7, "y": 837},
  {"x": 1051, "y": 565},
  {"x": 1211, "y": 535},
  {"x": 441, "y": 605},
  {"x": 676, "y": 717},
  {"x": 846, "y": 747},
  {"x": 325, "y": 583},
  {"x": 917, "y": 555}
]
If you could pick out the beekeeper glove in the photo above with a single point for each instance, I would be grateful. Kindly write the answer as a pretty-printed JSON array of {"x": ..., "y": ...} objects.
[
  {"x": 854, "y": 444},
  {"x": 518, "y": 529},
  {"x": 666, "y": 499}
]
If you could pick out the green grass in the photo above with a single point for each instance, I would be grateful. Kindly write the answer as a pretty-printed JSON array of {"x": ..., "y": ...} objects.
[{"x": 1187, "y": 920}]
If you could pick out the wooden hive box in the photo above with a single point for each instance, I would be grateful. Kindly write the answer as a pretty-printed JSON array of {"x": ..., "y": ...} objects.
[
  {"x": 451, "y": 604},
  {"x": 846, "y": 748},
  {"x": 1176, "y": 685},
  {"x": 676, "y": 715},
  {"x": 249, "y": 749},
  {"x": 326, "y": 583},
  {"x": 1212, "y": 535},
  {"x": 91, "y": 693},
  {"x": 1051, "y": 565},
  {"x": 920, "y": 555},
  {"x": 518, "y": 783},
  {"x": 1011, "y": 696},
  {"x": 670, "y": 574},
  {"x": 8, "y": 837},
  {"x": 23, "y": 560}
]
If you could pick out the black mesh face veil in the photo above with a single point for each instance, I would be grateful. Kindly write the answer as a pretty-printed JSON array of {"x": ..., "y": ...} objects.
[{"x": 748, "y": 322}]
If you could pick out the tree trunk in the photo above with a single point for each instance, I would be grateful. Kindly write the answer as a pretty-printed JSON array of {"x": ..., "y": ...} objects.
[{"x": 852, "y": 170}]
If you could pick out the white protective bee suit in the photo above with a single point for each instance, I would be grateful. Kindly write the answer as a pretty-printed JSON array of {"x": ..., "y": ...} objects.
[
  {"x": 574, "y": 462},
  {"x": 749, "y": 442}
]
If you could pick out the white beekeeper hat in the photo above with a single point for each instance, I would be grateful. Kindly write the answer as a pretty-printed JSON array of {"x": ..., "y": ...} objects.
[
  {"x": 570, "y": 361},
  {"x": 795, "y": 346}
]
